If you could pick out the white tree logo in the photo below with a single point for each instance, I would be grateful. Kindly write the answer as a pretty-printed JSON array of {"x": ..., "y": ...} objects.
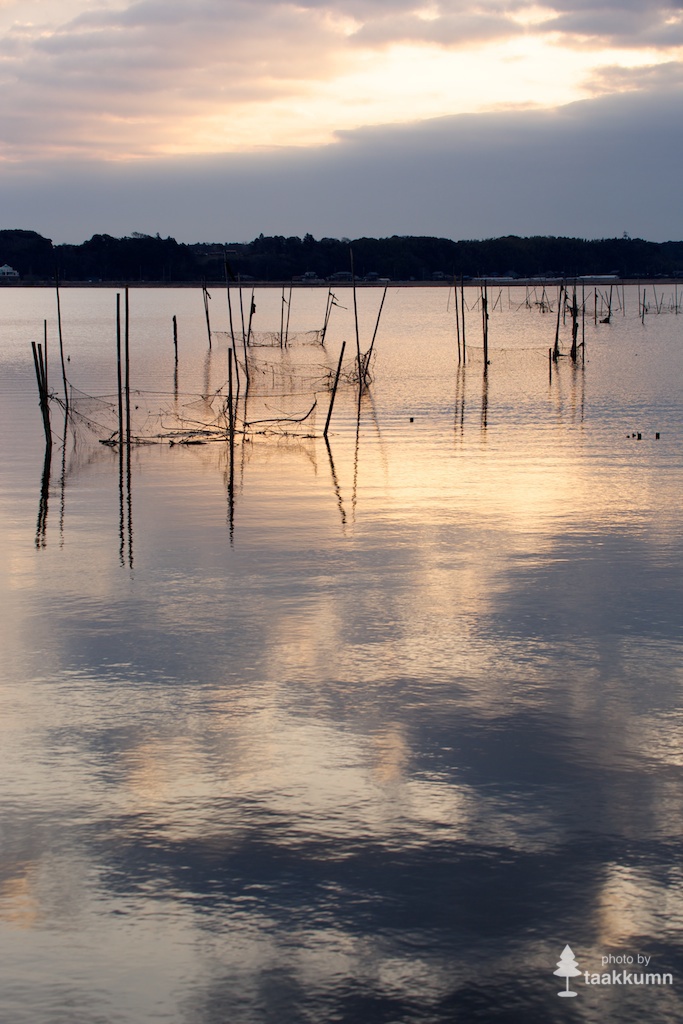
[{"x": 567, "y": 968}]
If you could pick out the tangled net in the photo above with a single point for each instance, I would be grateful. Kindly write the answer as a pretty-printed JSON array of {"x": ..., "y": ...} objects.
[{"x": 281, "y": 399}]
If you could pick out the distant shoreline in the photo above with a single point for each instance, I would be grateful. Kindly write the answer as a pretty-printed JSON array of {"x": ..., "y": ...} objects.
[{"x": 492, "y": 282}]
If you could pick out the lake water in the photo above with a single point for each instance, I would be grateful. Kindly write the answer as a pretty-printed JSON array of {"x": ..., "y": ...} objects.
[{"x": 366, "y": 733}]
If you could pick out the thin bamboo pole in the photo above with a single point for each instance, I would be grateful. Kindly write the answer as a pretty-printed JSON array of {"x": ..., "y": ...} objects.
[
  {"x": 231, "y": 409},
  {"x": 126, "y": 368},
  {"x": 61, "y": 342},
  {"x": 374, "y": 333},
  {"x": 462, "y": 313},
  {"x": 282, "y": 317},
  {"x": 485, "y": 323},
  {"x": 583, "y": 323},
  {"x": 560, "y": 303},
  {"x": 244, "y": 336},
  {"x": 227, "y": 290},
  {"x": 334, "y": 391},
  {"x": 42, "y": 390},
  {"x": 328, "y": 311},
  {"x": 206, "y": 297},
  {"x": 244, "y": 344},
  {"x": 252, "y": 310},
  {"x": 289, "y": 310},
  {"x": 355, "y": 320},
  {"x": 119, "y": 379},
  {"x": 457, "y": 318},
  {"x": 45, "y": 346},
  {"x": 575, "y": 326}
]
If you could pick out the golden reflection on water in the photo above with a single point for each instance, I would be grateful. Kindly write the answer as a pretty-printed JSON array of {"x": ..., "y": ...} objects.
[
  {"x": 19, "y": 903},
  {"x": 632, "y": 903}
]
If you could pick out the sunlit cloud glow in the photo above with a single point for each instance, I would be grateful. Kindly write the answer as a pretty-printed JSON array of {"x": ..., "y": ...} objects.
[
  {"x": 148, "y": 78},
  {"x": 99, "y": 83}
]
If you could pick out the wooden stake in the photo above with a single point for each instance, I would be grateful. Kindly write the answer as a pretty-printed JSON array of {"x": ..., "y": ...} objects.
[
  {"x": 227, "y": 289},
  {"x": 355, "y": 319},
  {"x": 289, "y": 310},
  {"x": 583, "y": 323},
  {"x": 119, "y": 380},
  {"x": 328, "y": 311},
  {"x": 42, "y": 390},
  {"x": 334, "y": 391},
  {"x": 485, "y": 323},
  {"x": 457, "y": 318},
  {"x": 61, "y": 343},
  {"x": 244, "y": 345},
  {"x": 374, "y": 333},
  {"x": 126, "y": 367},
  {"x": 231, "y": 410},
  {"x": 244, "y": 335},
  {"x": 462, "y": 314},
  {"x": 560, "y": 304},
  {"x": 252, "y": 310},
  {"x": 575, "y": 326},
  {"x": 45, "y": 345},
  {"x": 206, "y": 297},
  {"x": 282, "y": 317}
]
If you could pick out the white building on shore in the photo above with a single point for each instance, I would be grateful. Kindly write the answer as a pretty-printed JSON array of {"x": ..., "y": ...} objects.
[{"x": 8, "y": 273}]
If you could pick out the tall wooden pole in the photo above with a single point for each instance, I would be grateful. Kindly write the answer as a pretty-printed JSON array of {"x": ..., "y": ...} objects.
[
  {"x": 61, "y": 343},
  {"x": 457, "y": 318},
  {"x": 355, "y": 319},
  {"x": 231, "y": 409},
  {"x": 119, "y": 379},
  {"x": 126, "y": 365},
  {"x": 334, "y": 391},
  {"x": 462, "y": 313},
  {"x": 206, "y": 297}
]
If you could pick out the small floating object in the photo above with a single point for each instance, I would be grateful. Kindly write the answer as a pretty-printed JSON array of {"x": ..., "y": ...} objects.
[
  {"x": 411, "y": 419},
  {"x": 657, "y": 436}
]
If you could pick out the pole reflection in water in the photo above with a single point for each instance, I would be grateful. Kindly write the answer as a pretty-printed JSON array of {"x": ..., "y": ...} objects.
[
  {"x": 122, "y": 506},
  {"x": 460, "y": 381},
  {"x": 62, "y": 477},
  {"x": 41, "y": 525},
  {"x": 129, "y": 505},
  {"x": 335, "y": 484},
  {"x": 372, "y": 767},
  {"x": 231, "y": 487}
]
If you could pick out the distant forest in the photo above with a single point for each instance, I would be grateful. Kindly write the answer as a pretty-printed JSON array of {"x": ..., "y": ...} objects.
[{"x": 147, "y": 258}]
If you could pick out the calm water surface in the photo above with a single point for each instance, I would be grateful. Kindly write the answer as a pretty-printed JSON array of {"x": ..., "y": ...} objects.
[{"x": 358, "y": 734}]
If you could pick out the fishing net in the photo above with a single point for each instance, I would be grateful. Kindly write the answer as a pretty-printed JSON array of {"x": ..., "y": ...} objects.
[
  {"x": 270, "y": 396},
  {"x": 274, "y": 339}
]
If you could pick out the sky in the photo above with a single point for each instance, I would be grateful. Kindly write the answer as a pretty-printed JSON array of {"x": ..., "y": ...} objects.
[{"x": 216, "y": 120}]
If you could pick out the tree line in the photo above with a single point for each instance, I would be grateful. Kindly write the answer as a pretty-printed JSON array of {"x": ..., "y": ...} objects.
[{"x": 150, "y": 258}]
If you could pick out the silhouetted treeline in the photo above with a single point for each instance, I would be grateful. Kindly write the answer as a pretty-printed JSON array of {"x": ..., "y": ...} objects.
[{"x": 150, "y": 258}]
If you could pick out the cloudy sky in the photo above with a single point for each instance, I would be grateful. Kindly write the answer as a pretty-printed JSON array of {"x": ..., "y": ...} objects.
[{"x": 220, "y": 119}]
